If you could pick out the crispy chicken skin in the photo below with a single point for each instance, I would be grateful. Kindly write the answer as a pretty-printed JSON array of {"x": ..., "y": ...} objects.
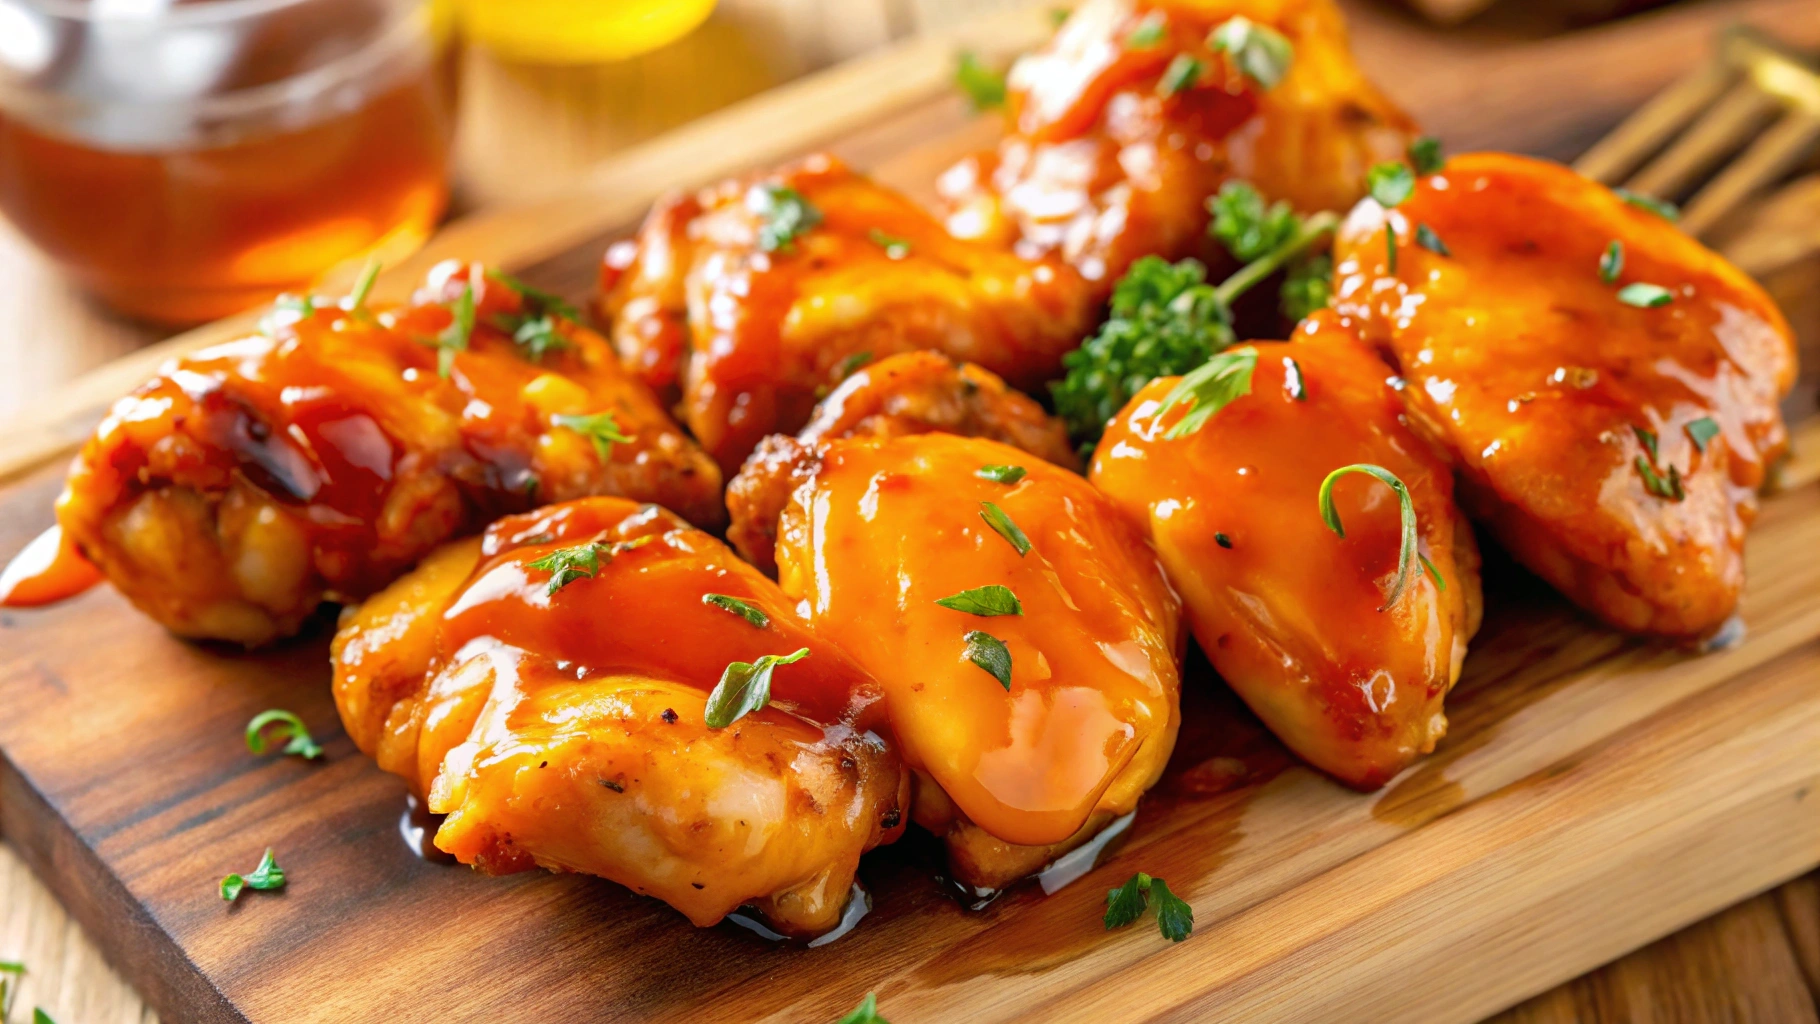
[
  {"x": 1010, "y": 776},
  {"x": 1551, "y": 393},
  {"x": 567, "y": 730},
  {"x": 749, "y": 339},
  {"x": 911, "y": 393},
  {"x": 1101, "y": 167},
  {"x": 252, "y": 481},
  {"x": 1288, "y": 612}
]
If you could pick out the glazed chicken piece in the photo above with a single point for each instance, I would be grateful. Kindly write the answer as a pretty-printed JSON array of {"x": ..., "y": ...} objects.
[
  {"x": 911, "y": 393},
  {"x": 1300, "y": 622},
  {"x": 1611, "y": 434},
  {"x": 1128, "y": 120},
  {"x": 751, "y": 299},
  {"x": 562, "y": 721},
  {"x": 318, "y": 460},
  {"x": 1041, "y": 700}
]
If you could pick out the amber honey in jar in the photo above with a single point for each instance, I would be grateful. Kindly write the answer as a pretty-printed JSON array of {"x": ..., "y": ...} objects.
[{"x": 184, "y": 159}]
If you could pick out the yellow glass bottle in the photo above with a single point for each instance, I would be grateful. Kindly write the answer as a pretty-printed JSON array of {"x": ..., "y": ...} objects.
[{"x": 579, "y": 31}]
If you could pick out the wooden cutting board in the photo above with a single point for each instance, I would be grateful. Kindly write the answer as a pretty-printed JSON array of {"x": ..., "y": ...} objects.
[{"x": 1593, "y": 793}]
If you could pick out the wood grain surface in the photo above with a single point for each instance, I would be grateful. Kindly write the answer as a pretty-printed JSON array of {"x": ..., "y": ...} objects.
[{"x": 1486, "y": 804}]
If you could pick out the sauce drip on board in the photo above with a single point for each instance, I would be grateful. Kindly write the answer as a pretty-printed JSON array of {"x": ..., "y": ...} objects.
[{"x": 46, "y": 571}]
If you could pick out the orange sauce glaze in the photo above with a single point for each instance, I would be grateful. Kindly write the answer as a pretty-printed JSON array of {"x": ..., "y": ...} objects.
[
  {"x": 887, "y": 527},
  {"x": 1103, "y": 167},
  {"x": 46, "y": 571},
  {"x": 1523, "y": 362},
  {"x": 1287, "y": 611}
]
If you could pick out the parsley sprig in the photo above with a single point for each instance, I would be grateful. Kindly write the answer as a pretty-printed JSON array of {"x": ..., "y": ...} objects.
[
  {"x": 1127, "y": 903},
  {"x": 267, "y": 876},
  {"x": 582, "y": 561},
  {"x": 784, "y": 216},
  {"x": 455, "y": 337},
  {"x": 1407, "y": 552},
  {"x": 865, "y": 1013},
  {"x": 745, "y": 687},
  {"x": 990, "y": 654},
  {"x": 1259, "y": 52},
  {"x": 992, "y": 599},
  {"x": 290, "y": 728},
  {"x": 983, "y": 86},
  {"x": 727, "y": 603},
  {"x": 1210, "y": 387},
  {"x": 1002, "y": 525},
  {"x": 600, "y": 428}
]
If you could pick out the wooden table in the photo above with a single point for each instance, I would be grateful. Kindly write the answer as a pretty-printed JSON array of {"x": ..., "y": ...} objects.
[{"x": 1757, "y": 961}]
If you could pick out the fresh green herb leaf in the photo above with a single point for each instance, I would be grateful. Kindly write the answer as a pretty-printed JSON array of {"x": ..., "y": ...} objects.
[
  {"x": 581, "y": 562},
  {"x": 1223, "y": 541},
  {"x": 853, "y": 362},
  {"x": 1260, "y": 53},
  {"x": 302, "y": 305},
  {"x": 268, "y": 875},
  {"x": 11, "y": 967},
  {"x": 40, "y": 1017},
  {"x": 1174, "y": 917},
  {"x": 985, "y": 601},
  {"x": 865, "y": 1013},
  {"x": 363, "y": 287},
  {"x": 1307, "y": 286},
  {"x": 9, "y": 987},
  {"x": 1001, "y": 474},
  {"x": 1406, "y": 554},
  {"x": 786, "y": 216},
  {"x": 1149, "y": 32},
  {"x": 1001, "y": 524},
  {"x": 983, "y": 87},
  {"x": 1701, "y": 432},
  {"x": 1057, "y": 16},
  {"x": 750, "y": 613},
  {"x": 454, "y": 338},
  {"x": 536, "y": 301},
  {"x": 535, "y": 337},
  {"x": 1427, "y": 239},
  {"x": 1181, "y": 74},
  {"x": 895, "y": 248},
  {"x": 1669, "y": 486},
  {"x": 990, "y": 653},
  {"x": 1245, "y": 225},
  {"x": 1126, "y": 903},
  {"x": 1213, "y": 386},
  {"x": 291, "y": 728},
  {"x": 745, "y": 687},
  {"x": 600, "y": 428},
  {"x": 1292, "y": 380},
  {"x": 1648, "y": 439},
  {"x": 1391, "y": 184},
  {"x": 1660, "y": 207},
  {"x": 1645, "y": 296},
  {"x": 1611, "y": 264},
  {"x": 1433, "y": 573},
  {"x": 1425, "y": 155}
]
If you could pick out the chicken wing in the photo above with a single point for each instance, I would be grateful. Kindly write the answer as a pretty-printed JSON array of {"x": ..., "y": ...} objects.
[
  {"x": 911, "y": 393},
  {"x": 1021, "y": 628},
  {"x": 753, "y": 298},
  {"x": 1306, "y": 626},
  {"x": 1607, "y": 385},
  {"x": 317, "y": 460},
  {"x": 1130, "y": 118},
  {"x": 548, "y": 688}
]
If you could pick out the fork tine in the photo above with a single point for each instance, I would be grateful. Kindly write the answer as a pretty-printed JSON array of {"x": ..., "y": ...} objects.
[
  {"x": 1646, "y": 130},
  {"x": 1771, "y": 156},
  {"x": 1725, "y": 126}
]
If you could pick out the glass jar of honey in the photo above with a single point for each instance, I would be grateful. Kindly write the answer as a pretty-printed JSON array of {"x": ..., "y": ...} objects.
[{"x": 185, "y": 159}]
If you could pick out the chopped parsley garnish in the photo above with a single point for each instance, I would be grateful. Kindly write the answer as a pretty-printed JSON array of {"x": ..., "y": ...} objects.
[
  {"x": 867, "y": 1010},
  {"x": 990, "y": 653},
  {"x": 1648, "y": 439},
  {"x": 1307, "y": 286},
  {"x": 357, "y": 299},
  {"x": 1611, "y": 264},
  {"x": 1391, "y": 184},
  {"x": 1427, "y": 239},
  {"x": 536, "y": 337},
  {"x": 1245, "y": 225},
  {"x": 750, "y": 613},
  {"x": 290, "y": 728},
  {"x": 1148, "y": 32},
  {"x": 534, "y": 330},
  {"x": 1181, "y": 74},
  {"x": 1292, "y": 380},
  {"x": 1223, "y": 541},
  {"x": 983, "y": 87},
  {"x": 745, "y": 687},
  {"x": 985, "y": 601},
  {"x": 1260, "y": 53},
  {"x": 785, "y": 214},
  {"x": 1001, "y": 474},
  {"x": 853, "y": 362},
  {"x": 1669, "y": 486},
  {"x": 41, "y": 1017},
  {"x": 1127, "y": 903},
  {"x": 9, "y": 987},
  {"x": 1425, "y": 155},
  {"x": 268, "y": 875},
  {"x": 1645, "y": 296},
  {"x": 895, "y": 248},
  {"x": 1209, "y": 388},
  {"x": 581, "y": 562},
  {"x": 537, "y": 302},
  {"x": 1001, "y": 524},
  {"x": 599, "y": 428},
  {"x": 454, "y": 338},
  {"x": 1660, "y": 207},
  {"x": 1407, "y": 553},
  {"x": 1701, "y": 432}
]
